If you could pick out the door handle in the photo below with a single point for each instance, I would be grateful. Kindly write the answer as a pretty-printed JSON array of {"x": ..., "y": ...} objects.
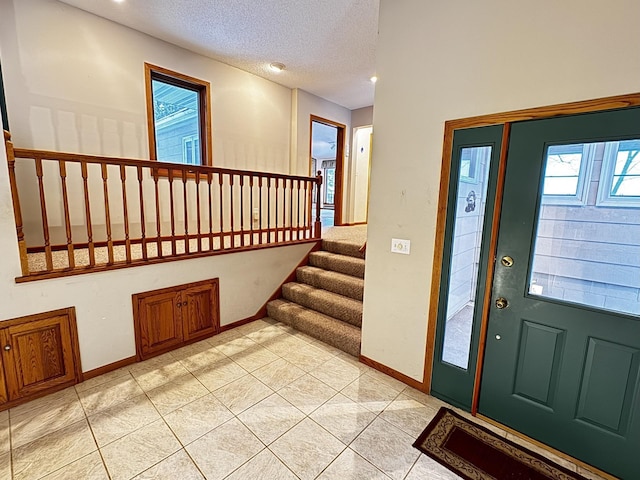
[
  {"x": 507, "y": 261},
  {"x": 501, "y": 303},
  {"x": 7, "y": 348}
]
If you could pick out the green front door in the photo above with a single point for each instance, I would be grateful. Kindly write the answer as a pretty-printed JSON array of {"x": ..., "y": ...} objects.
[{"x": 562, "y": 358}]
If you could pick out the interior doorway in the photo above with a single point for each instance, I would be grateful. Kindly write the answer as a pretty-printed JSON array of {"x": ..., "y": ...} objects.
[
  {"x": 361, "y": 166},
  {"x": 327, "y": 157}
]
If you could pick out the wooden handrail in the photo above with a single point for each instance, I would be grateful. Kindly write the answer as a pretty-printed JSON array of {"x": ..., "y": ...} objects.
[
  {"x": 132, "y": 162},
  {"x": 104, "y": 212}
]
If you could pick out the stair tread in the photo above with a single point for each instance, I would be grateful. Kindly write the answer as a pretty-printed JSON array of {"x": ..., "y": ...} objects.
[
  {"x": 333, "y": 304},
  {"x": 332, "y": 331},
  {"x": 332, "y": 281},
  {"x": 337, "y": 263}
]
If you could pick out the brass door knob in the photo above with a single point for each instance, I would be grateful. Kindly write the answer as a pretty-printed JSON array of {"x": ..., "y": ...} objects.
[{"x": 501, "y": 303}]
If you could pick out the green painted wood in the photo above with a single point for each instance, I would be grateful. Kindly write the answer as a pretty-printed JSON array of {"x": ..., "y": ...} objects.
[
  {"x": 449, "y": 382},
  {"x": 592, "y": 406},
  {"x": 538, "y": 362}
]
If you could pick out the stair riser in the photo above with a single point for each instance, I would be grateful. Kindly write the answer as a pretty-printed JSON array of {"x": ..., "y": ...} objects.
[
  {"x": 332, "y": 332},
  {"x": 349, "y": 310},
  {"x": 346, "y": 265},
  {"x": 349, "y": 288},
  {"x": 349, "y": 249}
]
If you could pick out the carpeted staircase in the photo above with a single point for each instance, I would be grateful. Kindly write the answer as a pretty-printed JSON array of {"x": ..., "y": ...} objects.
[{"x": 325, "y": 301}]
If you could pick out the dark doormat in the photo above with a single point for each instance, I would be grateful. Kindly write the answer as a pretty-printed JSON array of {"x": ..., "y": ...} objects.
[{"x": 476, "y": 453}]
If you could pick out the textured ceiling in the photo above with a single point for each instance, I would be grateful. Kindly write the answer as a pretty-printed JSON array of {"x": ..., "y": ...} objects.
[{"x": 328, "y": 46}]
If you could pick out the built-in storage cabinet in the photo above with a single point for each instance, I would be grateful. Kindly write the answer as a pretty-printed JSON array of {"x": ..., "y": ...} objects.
[
  {"x": 40, "y": 354},
  {"x": 169, "y": 318}
]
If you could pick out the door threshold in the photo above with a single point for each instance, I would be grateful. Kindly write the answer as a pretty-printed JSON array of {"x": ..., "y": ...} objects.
[{"x": 537, "y": 444}]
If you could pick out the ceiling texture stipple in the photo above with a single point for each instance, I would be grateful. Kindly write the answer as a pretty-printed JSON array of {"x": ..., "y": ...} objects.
[{"x": 328, "y": 46}]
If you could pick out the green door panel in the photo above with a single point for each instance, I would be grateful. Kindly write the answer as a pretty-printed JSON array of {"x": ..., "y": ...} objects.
[
  {"x": 557, "y": 369},
  {"x": 451, "y": 382}
]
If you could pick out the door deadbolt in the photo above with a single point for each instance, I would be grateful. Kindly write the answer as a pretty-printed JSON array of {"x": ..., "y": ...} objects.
[
  {"x": 507, "y": 261},
  {"x": 501, "y": 303}
]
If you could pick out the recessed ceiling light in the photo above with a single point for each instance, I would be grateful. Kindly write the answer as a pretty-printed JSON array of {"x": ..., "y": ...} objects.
[
  {"x": 119, "y": 1},
  {"x": 374, "y": 79},
  {"x": 277, "y": 67}
]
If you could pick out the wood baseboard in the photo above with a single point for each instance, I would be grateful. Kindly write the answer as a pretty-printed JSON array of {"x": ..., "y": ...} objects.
[
  {"x": 244, "y": 321},
  {"x": 109, "y": 367},
  {"x": 394, "y": 373}
]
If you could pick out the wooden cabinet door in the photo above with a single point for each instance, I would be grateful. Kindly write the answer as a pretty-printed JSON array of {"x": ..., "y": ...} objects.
[
  {"x": 37, "y": 355},
  {"x": 160, "y": 324},
  {"x": 199, "y": 311}
]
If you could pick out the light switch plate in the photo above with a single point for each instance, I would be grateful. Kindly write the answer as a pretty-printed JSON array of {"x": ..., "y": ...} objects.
[{"x": 399, "y": 245}]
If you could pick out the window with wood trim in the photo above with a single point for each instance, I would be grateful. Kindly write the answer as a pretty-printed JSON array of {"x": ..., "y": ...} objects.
[{"x": 178, "y": 117}]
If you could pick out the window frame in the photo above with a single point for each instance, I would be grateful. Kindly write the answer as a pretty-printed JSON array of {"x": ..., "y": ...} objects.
[
  {"x": 584, "y": 178},
  {"x": 604, "y": 198},
  {"x": 202, "y": 87}
]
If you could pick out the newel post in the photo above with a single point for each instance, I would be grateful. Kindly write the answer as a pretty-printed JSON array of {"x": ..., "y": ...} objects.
[
  {"x": 317, "y": 225},
  {"x": 22, "y": 245}
]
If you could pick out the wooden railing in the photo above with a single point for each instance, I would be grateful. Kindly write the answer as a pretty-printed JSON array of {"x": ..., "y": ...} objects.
[{"x": 79, "y": 213}]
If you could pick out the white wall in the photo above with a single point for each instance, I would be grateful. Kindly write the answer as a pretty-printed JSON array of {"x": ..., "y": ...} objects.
[
  {"x": 443, "y": 60},
  {"x": 362, "y": 117},
  {"x": 304, "y": 105},
  {"x": 75, "y": 82}
]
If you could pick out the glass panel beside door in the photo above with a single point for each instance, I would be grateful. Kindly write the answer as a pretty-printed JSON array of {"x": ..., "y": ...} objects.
[
  {"x": 470, "y": 202},
  {"x": 465, "y": 258}
]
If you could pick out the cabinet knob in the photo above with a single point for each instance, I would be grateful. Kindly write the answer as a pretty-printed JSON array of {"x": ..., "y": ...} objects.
[{"x": 7, "y": 347}]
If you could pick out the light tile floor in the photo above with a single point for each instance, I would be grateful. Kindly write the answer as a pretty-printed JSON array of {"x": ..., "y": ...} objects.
[{"x": 261, "y": 401}]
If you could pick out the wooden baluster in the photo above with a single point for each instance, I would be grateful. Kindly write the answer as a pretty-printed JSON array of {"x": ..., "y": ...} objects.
[
  {"x": 107, "y": 213},
  {"x": 43, "y": 212},
  {"x": 251, "y": 209},
  {"x": 260, "y": 211},
  {"x": 143, "y": 230},
  {"x": 67, "y": 219},
  {"x": 209, "y": 180},
  {"x": 277, "y": 239},
  {"x": 268, "y": 209},
  {"x": 221, "y": 182},
  {"x": 242, "y": 210},
  {"x": 291, "y": 210},
  {"x": 87, "y": 214},
  {"x": 158, "y": 221},
  {"x": 317, "y": 227},
  {"x": 233, "y": 237},
  {"x": 17, "y": 211},
  {"x": 307, "y": 200},
  {"x": 198, "y": 211},
  {"x": 125, "y": 209},
  {"x": 186, "y": 214},
  {"x": 173, "y": 217},
  {"x": 298, "y": 211}
]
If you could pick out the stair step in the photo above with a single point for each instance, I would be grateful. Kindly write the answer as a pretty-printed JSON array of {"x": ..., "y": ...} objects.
[
  {"x": 335, "y": 282},
  {"x": 337, "y": 263},
  {"x": 343, "y": 248},
  {"x": 332, "y": 304},
  {"x": 334, "y": 332}
]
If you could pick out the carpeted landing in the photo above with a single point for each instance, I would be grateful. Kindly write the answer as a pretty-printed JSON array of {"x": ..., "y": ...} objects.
[{"x": 325, "y": 301}]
